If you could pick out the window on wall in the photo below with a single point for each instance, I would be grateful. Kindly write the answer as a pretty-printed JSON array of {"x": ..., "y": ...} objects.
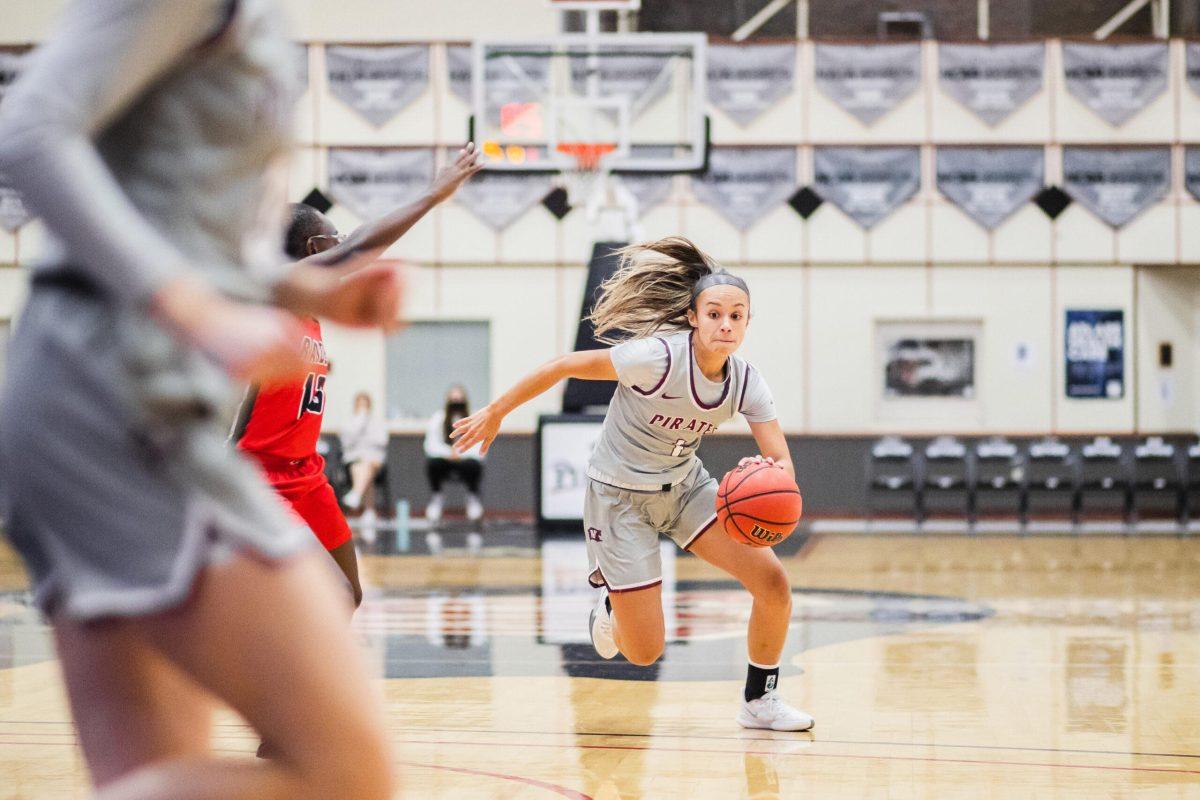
[
  {"x": 427, "y": 358},
  {"x": 952, "y": 19},
  {"x": 714, "y": 17}
]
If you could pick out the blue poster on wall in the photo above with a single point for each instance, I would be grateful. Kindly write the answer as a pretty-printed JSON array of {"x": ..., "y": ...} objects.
[{"x": 1095, "y": 354}]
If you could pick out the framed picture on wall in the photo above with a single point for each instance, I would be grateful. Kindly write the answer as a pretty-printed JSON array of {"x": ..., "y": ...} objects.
[
  {"x": 927, "y": 369},
  {"x": 1095, "y": 354}
]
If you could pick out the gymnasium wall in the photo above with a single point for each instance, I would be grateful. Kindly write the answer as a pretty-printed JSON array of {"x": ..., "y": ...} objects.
[{"x": 819, "y": 284}]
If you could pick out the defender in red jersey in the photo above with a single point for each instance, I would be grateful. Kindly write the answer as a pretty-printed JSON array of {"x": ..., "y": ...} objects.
[
  {"x": 281, "y": 433},
  {"x": 279, "y": 424}
]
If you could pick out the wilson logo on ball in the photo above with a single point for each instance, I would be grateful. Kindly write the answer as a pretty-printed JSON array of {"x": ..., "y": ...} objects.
[{"x": 765, "y": 536}]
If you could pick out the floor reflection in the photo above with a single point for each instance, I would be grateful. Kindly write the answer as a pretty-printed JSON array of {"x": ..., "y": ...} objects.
[
  {"x": 427, "y": 633},
  {"x": 952, "y": 667}
]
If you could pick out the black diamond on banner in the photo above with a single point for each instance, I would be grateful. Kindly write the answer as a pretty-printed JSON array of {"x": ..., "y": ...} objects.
[
  {"x": 317, "y": 199},
  {"x": 556, "y": 203},
  {"x": 1053, "y": 201},
  {"x": 805, "y": 202}
]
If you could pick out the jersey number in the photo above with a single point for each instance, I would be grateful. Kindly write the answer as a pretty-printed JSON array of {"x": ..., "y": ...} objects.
[
  {"x": 680, "y": 446},
  {"x": 312, "y": 400}
]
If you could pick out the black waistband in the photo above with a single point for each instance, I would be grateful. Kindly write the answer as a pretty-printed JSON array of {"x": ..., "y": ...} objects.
[{"x": 64, "y": 279}]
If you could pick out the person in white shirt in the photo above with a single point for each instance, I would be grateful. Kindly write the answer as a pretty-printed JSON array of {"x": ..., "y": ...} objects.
[
  {"x": 442, "y": 462},
  {"x": 364, "y": 450}
]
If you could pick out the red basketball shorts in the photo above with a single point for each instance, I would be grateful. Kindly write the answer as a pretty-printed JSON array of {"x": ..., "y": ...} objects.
[{"x": 302, "y": 483}]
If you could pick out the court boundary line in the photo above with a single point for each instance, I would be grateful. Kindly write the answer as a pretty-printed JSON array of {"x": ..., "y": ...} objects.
[
  {"x": 702, "y": 751},
  {"x": 562, "y": 791},
  {"x": 685, "y": 737},
  {"x": 850, "y": 756},
  {"x": 816, "y": 741}
]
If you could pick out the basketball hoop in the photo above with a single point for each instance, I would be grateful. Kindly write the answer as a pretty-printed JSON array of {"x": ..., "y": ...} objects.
[
  {"x": 587, "y": 155},
  {"x": 586, "y": 179}
]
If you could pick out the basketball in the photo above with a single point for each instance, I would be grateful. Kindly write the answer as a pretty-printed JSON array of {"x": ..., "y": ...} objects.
[{"x": 758, "y": 504}]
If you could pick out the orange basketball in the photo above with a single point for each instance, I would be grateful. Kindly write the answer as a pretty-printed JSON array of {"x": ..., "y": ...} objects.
[{"x": 758, "y": 504}]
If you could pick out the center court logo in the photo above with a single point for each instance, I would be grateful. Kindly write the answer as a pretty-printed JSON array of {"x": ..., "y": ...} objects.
[{"x": 763, "y": 535}]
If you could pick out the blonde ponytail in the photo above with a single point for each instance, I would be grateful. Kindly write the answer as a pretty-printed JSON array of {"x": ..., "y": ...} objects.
[{"x": 651, "y": 290}]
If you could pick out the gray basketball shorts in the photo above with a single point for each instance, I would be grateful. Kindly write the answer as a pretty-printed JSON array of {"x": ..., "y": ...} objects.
[
  {"x": 117, "y": 481},
  {"x": 622, "y": 528}
]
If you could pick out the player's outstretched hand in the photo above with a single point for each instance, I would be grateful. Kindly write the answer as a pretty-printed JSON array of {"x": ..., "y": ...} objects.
[
  {"x": 468, "y": 161},
  {"x": 363, "y": 297},
  {"x": 479, "y": 428},
  {"x": 756, "y": 460},
  {"x": 256, "y": 344}
]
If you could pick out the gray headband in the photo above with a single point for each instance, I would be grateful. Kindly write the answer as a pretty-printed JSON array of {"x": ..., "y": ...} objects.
[{"x": 718, "y": 279}]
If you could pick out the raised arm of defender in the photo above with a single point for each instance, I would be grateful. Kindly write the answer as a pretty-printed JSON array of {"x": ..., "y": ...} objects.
[
  {"x": 482, "y": 426},
  {"x": 369, "y": 240}
]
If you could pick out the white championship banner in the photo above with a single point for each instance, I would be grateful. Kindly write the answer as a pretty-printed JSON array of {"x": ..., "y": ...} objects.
[
  {"x": 867, "y": 183},
  {"x": 990, "y": 183},
  {"x": 746, "y": 183},
  {"x": 377, "y": 82},
  {"x": 992, "y": 80},
  {"x": 1117, "y": 184}
]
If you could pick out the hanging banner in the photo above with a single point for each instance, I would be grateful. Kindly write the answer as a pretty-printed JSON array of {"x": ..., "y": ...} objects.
[
  {"x": 649, "y": 189},
  {"x": 746, "y": 80},
  {"x": 992, "y": 80},
  {"x": 638, "y": 73},
  {"x": 990, "y": 183},
  {"x": 1191, "y": 171},
  {"x": 746, "y": 183},
  {"x": 500, "y": 198},
  {"x": 1115, "y": 80},
  {"x": 867, "y": 183},
  {"x": 1193, "y": 65},
  {"x": 868, "y": 80},
  {"x": 1095, "y": 354},
  {"x": 371, "y": 182},
  {"x": 13, "y": 211},
  {"x": 10, "y": 68},
  {"x": 1117, "y": 184},
  {"x": 377, "y": 82},
  {"x": 458, "y": 71}
]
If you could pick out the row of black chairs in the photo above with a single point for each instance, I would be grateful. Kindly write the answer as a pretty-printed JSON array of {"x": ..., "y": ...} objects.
[{"x": 996, "y": 477}]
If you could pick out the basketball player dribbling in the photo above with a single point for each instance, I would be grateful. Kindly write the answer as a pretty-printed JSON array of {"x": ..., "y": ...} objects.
[
  {"x": 152, "y": 137},
  {"x": 279, "y": 423},
  {"x": 676, "y": 319}
]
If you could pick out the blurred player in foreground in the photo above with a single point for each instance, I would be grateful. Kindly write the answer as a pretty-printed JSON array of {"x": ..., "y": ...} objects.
[{"x": 152, "y": 138}]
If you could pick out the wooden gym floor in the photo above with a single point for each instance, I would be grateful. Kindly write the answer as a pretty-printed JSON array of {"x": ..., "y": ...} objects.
[{"x": 936, "y": 667}]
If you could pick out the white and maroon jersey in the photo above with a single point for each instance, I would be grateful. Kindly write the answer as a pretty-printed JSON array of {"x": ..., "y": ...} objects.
[{"x": 662, "y": 408}]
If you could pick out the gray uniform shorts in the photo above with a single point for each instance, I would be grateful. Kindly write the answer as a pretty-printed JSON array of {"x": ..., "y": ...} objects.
[
  {"x": 118, "y": 483},
  {"x": 622, "y": 528}
]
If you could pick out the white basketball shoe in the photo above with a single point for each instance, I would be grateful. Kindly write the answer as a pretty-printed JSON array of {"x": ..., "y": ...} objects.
[
  {"x": 433, "y": 511},
  {"x": 771, "y": 713},
  {"x": 474, "y": 508},
  {"x": 600, "y": 624}
]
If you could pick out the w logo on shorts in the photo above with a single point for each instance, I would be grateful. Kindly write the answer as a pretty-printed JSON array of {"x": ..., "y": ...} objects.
[{"x": 593, "y": 534}]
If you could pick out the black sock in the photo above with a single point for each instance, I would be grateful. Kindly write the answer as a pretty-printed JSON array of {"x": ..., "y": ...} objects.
[{"x": 760, "y": 680}]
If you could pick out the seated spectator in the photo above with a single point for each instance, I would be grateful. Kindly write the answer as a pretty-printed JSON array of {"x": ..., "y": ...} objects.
[
  {"x": 443, "y": 463},
  {"x": 364, "y": 450}
]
